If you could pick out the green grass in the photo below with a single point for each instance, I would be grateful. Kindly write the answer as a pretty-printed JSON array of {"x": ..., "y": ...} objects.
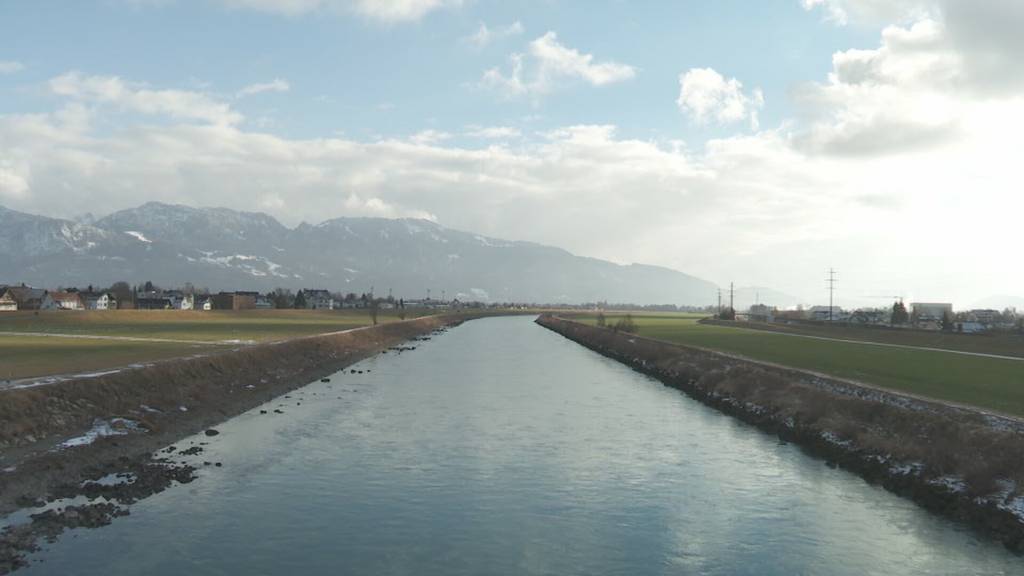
[
  {"x": 24, "y": 357},
  {"x": 30, "y": 356},
  {"x": 990, "y": 383},
  {"x": 258, "y": 325}
]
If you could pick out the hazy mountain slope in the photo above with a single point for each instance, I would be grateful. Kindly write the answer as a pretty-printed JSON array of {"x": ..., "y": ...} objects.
[{"x": 226, "y": 249}]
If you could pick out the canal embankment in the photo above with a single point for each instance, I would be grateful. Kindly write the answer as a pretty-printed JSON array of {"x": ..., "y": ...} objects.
[
  {"x": 961, "y": 463},
  {"x": 72, "y": 431}
]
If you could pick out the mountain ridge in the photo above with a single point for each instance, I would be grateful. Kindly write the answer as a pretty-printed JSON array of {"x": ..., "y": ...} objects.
[{"x": 225, "y": 249}]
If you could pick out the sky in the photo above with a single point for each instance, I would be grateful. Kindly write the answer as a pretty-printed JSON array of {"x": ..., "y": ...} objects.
[{"x": 760, "y": 143}]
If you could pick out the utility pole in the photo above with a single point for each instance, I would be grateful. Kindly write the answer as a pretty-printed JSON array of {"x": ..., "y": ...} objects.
[
  {"x": 831, "y": 290},
  {"x": 719, "y": 302},
  {"x": 444, "y": 296},
  {"x": 732, "y": 308},
  {"x": 428, "y": 293}
]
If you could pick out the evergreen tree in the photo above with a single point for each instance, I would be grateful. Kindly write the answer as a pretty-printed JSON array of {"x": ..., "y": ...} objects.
[{"x": 300, "y": 299}]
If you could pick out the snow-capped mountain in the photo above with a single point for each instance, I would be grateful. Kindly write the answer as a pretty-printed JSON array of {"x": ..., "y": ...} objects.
[{"x": 225, "y": 249}]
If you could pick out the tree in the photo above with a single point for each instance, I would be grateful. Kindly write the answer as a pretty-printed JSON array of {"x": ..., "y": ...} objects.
[
  {"x": 899, "y": 314},
  {"x": 947, "y": 322},
  {"x": 148, "y": 287},
  {"x": 374, "y": 308},
  {"x": 282, "y": 298},
  {"x": 601, "y": 320},
  {"x": 121, "y": 291},
  {"x": 300, "y": 299},
  {"x": 626, "y": 324},
  {"x": 727, "y": 314}
]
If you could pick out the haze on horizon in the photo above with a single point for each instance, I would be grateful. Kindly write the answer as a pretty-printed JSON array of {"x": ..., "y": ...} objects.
[{"x": 760, "y": 144}]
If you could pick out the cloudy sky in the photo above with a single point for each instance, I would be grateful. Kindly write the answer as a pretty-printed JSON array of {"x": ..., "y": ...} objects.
[{"x": 756, "y": 142}]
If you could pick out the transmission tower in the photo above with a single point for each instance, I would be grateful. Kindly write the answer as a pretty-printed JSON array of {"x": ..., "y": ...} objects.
[{"x": 831, "y": 280}]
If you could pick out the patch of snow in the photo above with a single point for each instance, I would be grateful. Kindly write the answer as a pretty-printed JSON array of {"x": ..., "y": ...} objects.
[
  {"x": 950, "y": 483},
  {"x": 352, "y": 270},
  {"x": 492, "y": 243},
  {"x": 831, "y": 438},
  {"x": 10, "y": 469},
  {"x": 96, "y": 374},
  {"x": 111, "y": 480},
  {"x": 149, "y": 409},
  {"x": 101, "y": 428},
  {"x": 182, "y": 409},
  {"x": 138, "y": 236}
]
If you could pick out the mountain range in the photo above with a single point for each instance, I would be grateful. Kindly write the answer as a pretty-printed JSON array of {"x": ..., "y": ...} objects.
[{"x": 223, "y": 249}]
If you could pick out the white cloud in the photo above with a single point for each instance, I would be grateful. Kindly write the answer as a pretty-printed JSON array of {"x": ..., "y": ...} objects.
[
  {"x": 180, "y": 104},
  {"x": 549, "y": 63},
  {"x": 10, "y": 66},
  {"x": 707, "y": 96},
  {"x": 382, "y": 10},
  {"x": 429, "y": 136},
  {"x": 275, "y": 85},
  {"x": 493, "y": 132},
  {"x": 485, "y": 35}
]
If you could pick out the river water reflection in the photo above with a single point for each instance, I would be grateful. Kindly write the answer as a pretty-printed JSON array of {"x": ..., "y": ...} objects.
[{"x": 502, "y": 448}]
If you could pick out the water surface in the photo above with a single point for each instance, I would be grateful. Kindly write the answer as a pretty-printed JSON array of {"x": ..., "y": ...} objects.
[{"x": 502, "y": 448}]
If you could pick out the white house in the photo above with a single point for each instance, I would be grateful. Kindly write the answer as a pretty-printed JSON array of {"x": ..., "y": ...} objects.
[
  {"x": 98, "y": 300},
  {"x": 62, "y": 301}
]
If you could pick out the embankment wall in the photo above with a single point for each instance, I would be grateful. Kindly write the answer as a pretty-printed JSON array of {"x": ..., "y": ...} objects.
[{"x": 961, "y": 463}]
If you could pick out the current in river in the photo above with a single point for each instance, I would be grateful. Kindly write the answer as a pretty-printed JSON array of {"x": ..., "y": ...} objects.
[{"x": 502, "y": 448}]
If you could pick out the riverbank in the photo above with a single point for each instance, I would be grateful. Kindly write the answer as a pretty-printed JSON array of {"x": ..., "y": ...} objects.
[
  {"x": 65, "y": 433},
  {"x": 961, "y": 463}
]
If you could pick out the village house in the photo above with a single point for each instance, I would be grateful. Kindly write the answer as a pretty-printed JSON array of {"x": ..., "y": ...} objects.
[
  {"x": 98, "y": 300},
  {"x": 318, "y": 299},
  {"x": 929, "y": 315},
  {"x": 21, "y": 298},
  {"x": 871, "y": 316},
  {"x": 821, "y": 314},
  {"x": 154, "y": 303},
  {"x": 986, "y": 317},
  {"x": 62, "y": 301},
  {"x": 761, "y": 313},
  {"x": 234, "y": 300}
]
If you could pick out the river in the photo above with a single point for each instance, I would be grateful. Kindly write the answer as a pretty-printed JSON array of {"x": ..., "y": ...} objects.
[{"x": 503, "y": 448}]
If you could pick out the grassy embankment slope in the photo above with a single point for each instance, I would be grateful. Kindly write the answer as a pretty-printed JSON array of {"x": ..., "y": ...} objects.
[
  {"x": 192, "y": 332},
  {"x": 989, "y": 383}
]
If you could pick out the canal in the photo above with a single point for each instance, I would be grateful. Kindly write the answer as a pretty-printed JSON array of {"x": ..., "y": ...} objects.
[{"x": 502, "y": 448}]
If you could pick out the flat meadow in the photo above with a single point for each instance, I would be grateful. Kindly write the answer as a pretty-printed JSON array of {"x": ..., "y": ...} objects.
[
  {"x": 41, "y": 343},
  {"x": 990, "y": 383}
]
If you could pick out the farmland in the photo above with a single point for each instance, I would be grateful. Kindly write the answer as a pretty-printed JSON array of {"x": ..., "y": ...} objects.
[
  {"x": 58, "y": 342},
  {"x": 990, "y": 383}
]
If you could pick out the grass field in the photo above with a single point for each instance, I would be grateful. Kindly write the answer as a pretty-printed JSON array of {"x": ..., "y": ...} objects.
[
  {"x": 23, "y": 356},
  {"x": 258, "y": 325},
  {"x": 990, "y": 383}
]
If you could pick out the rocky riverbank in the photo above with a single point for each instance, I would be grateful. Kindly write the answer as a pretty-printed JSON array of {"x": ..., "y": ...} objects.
[
  {"x": 79, "y": 451},
  {"x": 957, "y": 462}
]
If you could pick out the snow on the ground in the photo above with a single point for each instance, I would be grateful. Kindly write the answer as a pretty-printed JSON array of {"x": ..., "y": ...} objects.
[{"x": 101, "y": 428}]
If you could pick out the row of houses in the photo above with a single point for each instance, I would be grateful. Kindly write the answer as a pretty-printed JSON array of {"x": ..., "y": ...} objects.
[
  {"x": 922, "y": 315},
  {"x": 28, "y": 298}
]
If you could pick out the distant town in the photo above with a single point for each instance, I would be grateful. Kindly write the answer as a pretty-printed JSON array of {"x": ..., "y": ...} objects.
[{"x": 933, "y": 316}]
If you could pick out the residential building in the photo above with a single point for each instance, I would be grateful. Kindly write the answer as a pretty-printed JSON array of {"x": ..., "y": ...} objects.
[
  {"x": 986, "y": 317},
  {"x": 822, "y": 314},
  {"x": 761, "y": 313},
  {"x": 318, "y": 299},
  {"x": 154, "y": 303},
  {"x": 234, "y": 300},
  {"x": 929, "y": 315},
  {"x": 22, "y": 298},
  {"x": 98, "y": 300},
  {"x": 62, "y": 301}
]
